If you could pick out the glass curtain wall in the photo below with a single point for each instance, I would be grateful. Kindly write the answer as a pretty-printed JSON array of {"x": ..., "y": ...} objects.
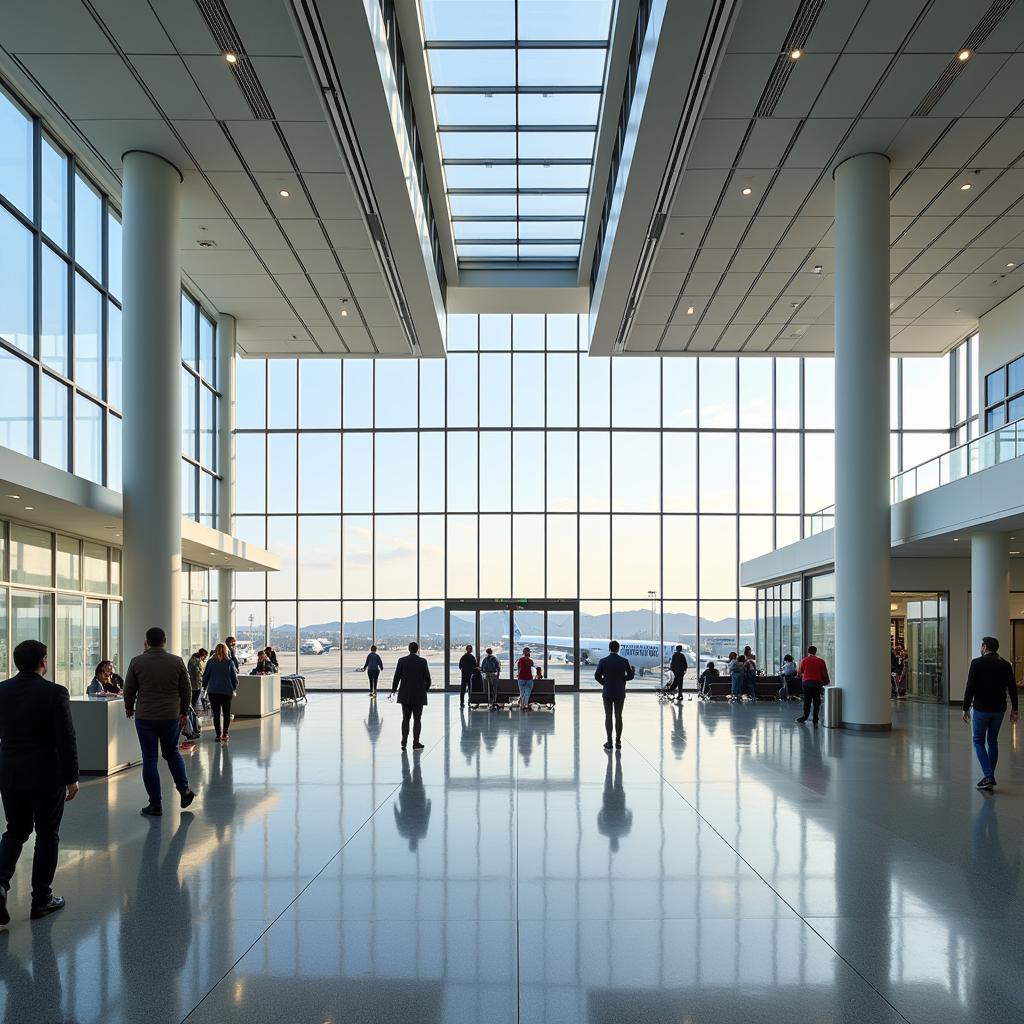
[
  {"x": 199, "y": 402},
  {"x": 519, "y": 467},
  {"x": 65, "y": 592}
]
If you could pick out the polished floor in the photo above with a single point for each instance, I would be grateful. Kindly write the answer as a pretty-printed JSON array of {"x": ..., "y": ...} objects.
[{"x": 727, "y": 866}]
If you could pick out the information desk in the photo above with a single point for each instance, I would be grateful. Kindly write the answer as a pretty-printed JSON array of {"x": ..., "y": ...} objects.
[
  {"x": 257, "y": 696},
  {"x": 107, "y": 741}
]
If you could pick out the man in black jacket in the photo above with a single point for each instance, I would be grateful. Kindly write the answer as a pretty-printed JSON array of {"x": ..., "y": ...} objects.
[
  {"x": 372, "y": 667},
  {"x": 467, "y": 666},
  {"x": 412, "y": 680},
  {"x": 38, "y": 773},
  {"x": 989, "y": 680},
  {"x": 678, "y": 666},
  {"x": 613, "y": 672}
]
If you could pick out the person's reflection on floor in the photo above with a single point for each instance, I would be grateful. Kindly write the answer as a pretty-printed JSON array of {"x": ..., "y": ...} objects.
[
  {"x": 525, "y": 741},
  {"x": 615, "y": 819},
  {"x": 678, "y": 731},
  {"x": 989, "y": 861},
  {"x": 471, "y": 734},
  {"x": 219, "y": 800},
  {"x": 412, "y": 808},
  {"x": 38, "y": 995},
  {"x": 156, "y": 929},
  {"x": 373, "y": 723},
  {"x": 814, "y": 772}
]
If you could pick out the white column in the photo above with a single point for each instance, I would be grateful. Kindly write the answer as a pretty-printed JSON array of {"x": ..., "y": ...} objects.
[
  {"x": 862, "y": 440},
  {"x": 990, "y": 589},
  {"x": 152, "y": 400},
  {"x": 225, "y": 461}
]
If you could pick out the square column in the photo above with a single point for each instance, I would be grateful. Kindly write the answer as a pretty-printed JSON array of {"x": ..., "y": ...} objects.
[
  {"x": 990, "y": 589},
  {"x": 152, "y": 399},
  {"x": 225, "y": 462},
  {"x": 862, "y": 531}
]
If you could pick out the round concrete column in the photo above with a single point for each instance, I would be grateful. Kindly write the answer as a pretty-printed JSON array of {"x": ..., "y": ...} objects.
[
  {"x": 225, "y": 461},
  {"x": 990, "y": 589},
  {"x": 862, "y": 440},
  {"x": 152, "y": 400}
]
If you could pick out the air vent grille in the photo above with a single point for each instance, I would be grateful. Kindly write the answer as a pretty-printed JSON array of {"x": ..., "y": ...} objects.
[
  {"x": 223, "y": 30},
  {"x": 799, "y": 32},
  {"x": 989, "y": 20}
]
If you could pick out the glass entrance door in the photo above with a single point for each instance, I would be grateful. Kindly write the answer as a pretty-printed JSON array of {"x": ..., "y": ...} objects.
[{"x": 549, "y": 628}]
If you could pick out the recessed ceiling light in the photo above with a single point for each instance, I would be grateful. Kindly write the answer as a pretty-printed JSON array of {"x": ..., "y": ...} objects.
[
  {"x": 1010, "y": 266},
  {"x": 966, "y": 187},
  {"x": 963, "y": 55},
  {"x": 957, "y": 310},
  {"x": 1014, "y": 552},
  {"x": 956, "y": 540},
  {"x": 796, "y": 54},
  {"x": 344, "y": 312},
  {"x": 284, "y": 193},
  {"x": 689, "y": 310},
  {"x": 231, "y": 58},
  {"x": 13, "y": 495},
  {"x": 795, "y": 305},
  {"x": 29, "y": 508},
  {"x": 747, "y": 191},
  {"x": 818, "y": 268}
]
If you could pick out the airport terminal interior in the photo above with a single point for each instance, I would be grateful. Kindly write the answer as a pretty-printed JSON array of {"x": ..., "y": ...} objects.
[{"x": 524, "y": 327}]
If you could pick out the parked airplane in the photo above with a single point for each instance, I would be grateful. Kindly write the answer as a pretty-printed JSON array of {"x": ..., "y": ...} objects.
[
  {"x": 642, "y": 654},
  {"x": 318, "y": 645}
]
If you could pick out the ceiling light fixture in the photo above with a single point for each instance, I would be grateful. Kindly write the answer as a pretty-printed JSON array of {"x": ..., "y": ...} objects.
[
  {"x": 1010, "y": 266},
  {"x": 963, "y": 55},
  {"x": 13, "y": 495},
  {"x": 796, "y": 54},
  {"x": 284, "y": 193},
  {"x": 956, "y": 540},
  {"x": 231, "y": 58},
  {"x": 344, "y": 307},
  {"x": 747, "y": 191},
  {"x": 966, "y": 187},
  {"x": 29, "y": 508},
  {"x": 689, "y": 310},
  {"x": 818, "y": 268}
]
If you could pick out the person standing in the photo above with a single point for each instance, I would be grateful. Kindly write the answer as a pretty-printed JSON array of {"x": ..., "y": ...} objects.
[
  {"x": 491, "y": 669},
  {"x": 789, "y": 674},
  {"x": 679, "y": 667},
  {"x": 613, "y": 672},
  {"x": 813, "y": 675},
  {"x": 524, "y": 679},
  {"x": 195, "y": 673},
  {"x": 737, "y": 675},
  {"x": 230, "y": 643},
  {"x": 372, "y": 667},
  {"x": 412, "y": 680},
  {"x": 158, "y": 689},
  {"x": 989, "y": 679},
  {"x": 221, "y": 682},
  {"x": 467, "y": 666},
  {"x": 38, "y": 774}
]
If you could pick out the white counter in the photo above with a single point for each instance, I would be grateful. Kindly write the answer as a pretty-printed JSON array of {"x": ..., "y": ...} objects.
[
  {"x": 257, "y": 696},
  {"x": 107, "y": 741}
]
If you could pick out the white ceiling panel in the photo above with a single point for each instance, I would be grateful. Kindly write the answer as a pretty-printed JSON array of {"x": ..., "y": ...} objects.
[
  {"x": 717, "y": 142},
  {"x": 223, "y": 232},
  {"x": 331, "y": 285},
  {"x": 30, "y": 28},
  {"x": 819, "y": 139},
  {"x": 917, "y": 135},
  {"x": 185, "y": 25},
  {"x": 294, "y": 206},
  {"x": 115, "y": 137},
  {"x": 218, "y": 86},
  {"x": 314, "y": 149},
  {"x": 208, "y": 145},
  {"x": 906, "y": 82},
  {"x": 171, "y": 86},
  {"x": 739, "y": 83},
  {"x": 289, "y": 84},
  {"x": 305, "y": 234},
  {"x": 945, "y": 26},
  {"x": 347, "y": 234},
  {"x": 850, "y": 84},
  {"x": 135, "y": 26},
  {"x": 333, "y": 197},
  {"x": 260, "y": 146},
  {"x": 806, "y": 81},
  {"x": 91, "y": 85},
  {"x": 239, "y": 192},
  {"x": 980, "y": 70},
  {"x": 264, "y": 27}
]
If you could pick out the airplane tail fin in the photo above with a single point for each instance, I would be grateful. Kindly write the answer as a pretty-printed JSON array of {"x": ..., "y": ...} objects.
[{"x": 516, "y": 632}]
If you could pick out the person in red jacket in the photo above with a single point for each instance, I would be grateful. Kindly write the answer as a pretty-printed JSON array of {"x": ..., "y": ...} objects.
[{"x": 813, "y": 675}]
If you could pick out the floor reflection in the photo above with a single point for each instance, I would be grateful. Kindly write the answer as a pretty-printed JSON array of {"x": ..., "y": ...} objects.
[{"x": 752, "y": 869}]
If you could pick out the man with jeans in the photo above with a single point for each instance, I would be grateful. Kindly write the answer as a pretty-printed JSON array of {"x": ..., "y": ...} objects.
[
  {"x": 814, "y": 675},
  {"x": 989, "y": 680},
  {"x": 157, "y": 693},
  {"x": 491, "y": 669}
]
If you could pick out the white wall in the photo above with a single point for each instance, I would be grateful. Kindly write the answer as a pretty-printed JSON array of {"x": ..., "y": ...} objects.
[{"x": 1002, "y": 335}]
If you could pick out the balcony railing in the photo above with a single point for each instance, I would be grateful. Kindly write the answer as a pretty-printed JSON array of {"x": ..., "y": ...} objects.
[{"x": 991, "y": 449}]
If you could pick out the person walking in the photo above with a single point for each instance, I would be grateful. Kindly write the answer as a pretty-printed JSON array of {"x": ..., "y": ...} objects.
[
  {"x": 813, "y": 676},
  {"x": 491, "y": 669},
  {"x": 678, "y": 667},
  {"x": 613, "y": 672},
  {"x": 524, "y": 679},
  {"x": 737, "y": 675},
  {"x": 467, "y": 666},
  {"x": 157, "y": 693},
  {"x": 38, "y": 774},
  {"x": 989, "y": 680},
  {"x": 221, "y": 681},
  {"x": 372, "y": 667},
  {"x": 412, "y": 680},
  {"x": 195, "y": 673}
]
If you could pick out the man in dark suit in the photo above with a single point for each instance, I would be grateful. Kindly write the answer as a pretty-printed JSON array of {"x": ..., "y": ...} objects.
[
  {"x": 678, "y": 666},
  {"x": 38, "y": 773},
  {"x": 467, "y": 666},
  {"x": 613, "y": 672},
  {"x": 412, "y": 680}
]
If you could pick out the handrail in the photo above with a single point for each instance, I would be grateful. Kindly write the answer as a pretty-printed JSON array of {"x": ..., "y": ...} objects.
[{"x": 997, "y": 446}]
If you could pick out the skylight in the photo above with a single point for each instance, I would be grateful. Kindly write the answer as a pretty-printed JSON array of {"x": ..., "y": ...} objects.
[{"x": 517, "y": 88}]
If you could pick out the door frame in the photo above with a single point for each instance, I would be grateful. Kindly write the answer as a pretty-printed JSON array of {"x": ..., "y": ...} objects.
[{"x": 478, "y": 605}]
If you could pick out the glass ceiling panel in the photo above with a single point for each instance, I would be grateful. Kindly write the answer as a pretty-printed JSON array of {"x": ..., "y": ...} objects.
[
  {"x": 511, "y": 67},
  {"x": 473, "y": 67}
]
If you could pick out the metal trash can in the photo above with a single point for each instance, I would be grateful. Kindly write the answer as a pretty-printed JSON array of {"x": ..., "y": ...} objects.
[{"x": 833, "y": 707}]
